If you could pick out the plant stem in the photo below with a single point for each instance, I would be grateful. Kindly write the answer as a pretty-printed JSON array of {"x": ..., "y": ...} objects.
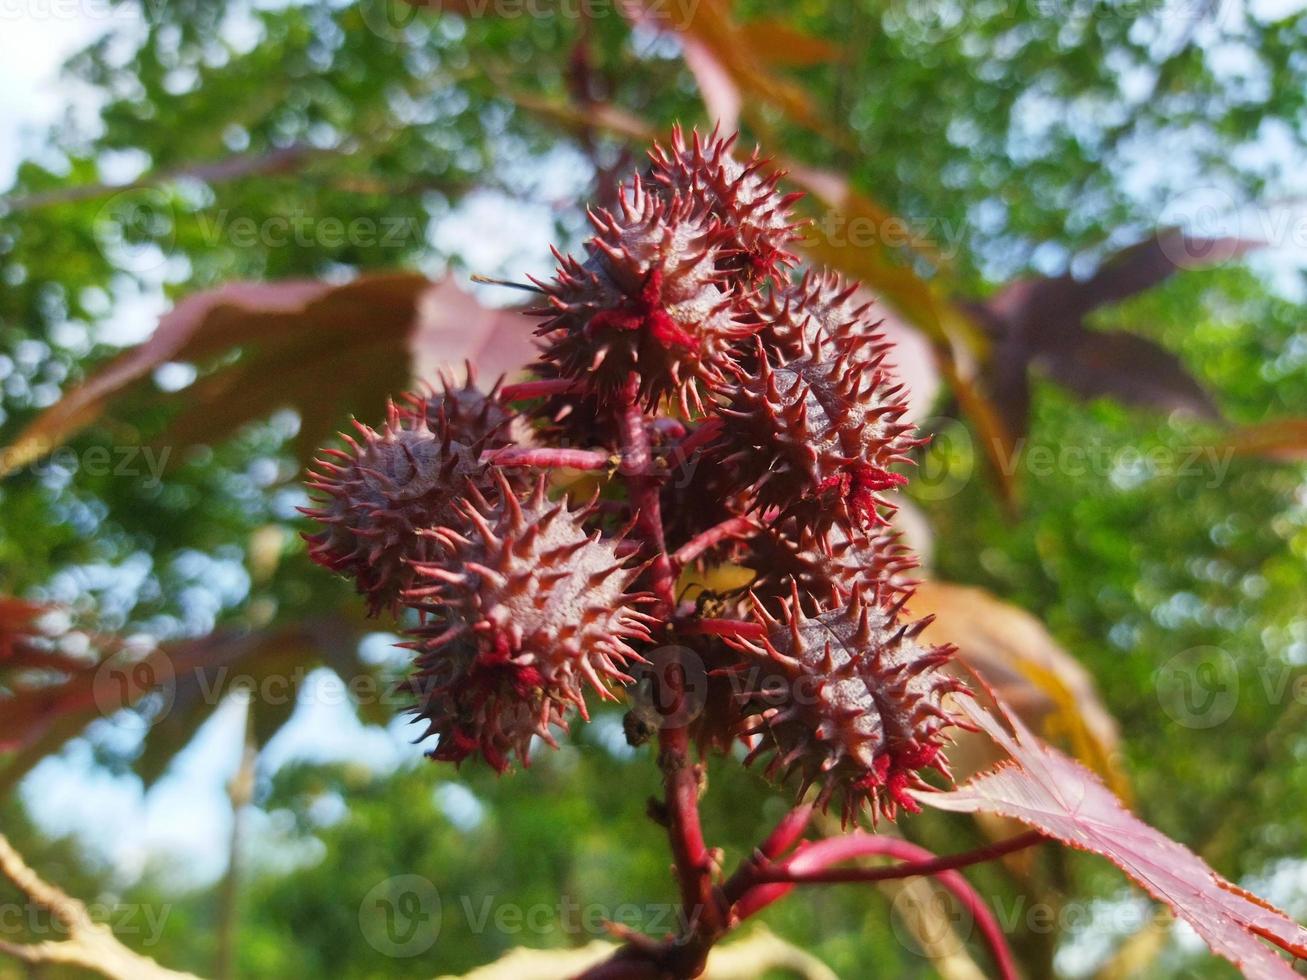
[
  {"x": 642, "y": 486},
  {"x": 734, "y": 527},
  {"x": 575, "y": 459},
  {"x": 909, "y": 869},
  {"x": 810, "y": 865},
  {"x": 696, "y": 440},
  {"x": 723, "y": 627},
  {"x": 536, "y": 389},
  {"x": 701, "y": 903}
]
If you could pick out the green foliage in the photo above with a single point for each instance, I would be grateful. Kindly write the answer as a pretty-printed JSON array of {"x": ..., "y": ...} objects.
[{"x": 1004, "y": 137}]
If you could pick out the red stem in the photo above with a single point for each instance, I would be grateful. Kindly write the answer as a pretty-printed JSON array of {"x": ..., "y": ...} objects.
[
  {"x": 642, "y": 486},
  {"x": 700, "y": 900},
  {"x": 811, "y": 865},
  {"x": 696, "y": 440},
  {"x": 723, "y": 627},
  {"x": 909, "y": 869},
  {"x": 734, "y": 527},
  {"x": 575, "y": 459},
  {"x": 536, "y": 389}
]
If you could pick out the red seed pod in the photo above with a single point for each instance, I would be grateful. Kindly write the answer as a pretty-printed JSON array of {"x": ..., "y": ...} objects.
[
  {"x": 832, "y": 565},
  {"x": 743, "y": 196},
  {"x": 816, "y": 435},
  {"x": 376, "y": 493},
  {"x": 470, "y": 416},
  {"x": 650, "y": 300},
  {"x": 534, "y": 608},
  {"x": 847, "y": 699},
  {"x": 819, "y": 309}
]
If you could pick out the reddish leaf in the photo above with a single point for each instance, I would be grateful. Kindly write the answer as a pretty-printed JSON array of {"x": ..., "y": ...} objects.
[
  {"x": 1043, "y": 788},
  {"x": 1042, "y": 322},
  {"x": 1019, "y": 659},
  {"x": 1129, "y": 368},
  {"x": 326, "y": 351},
  {"x": 17, "y": 619},
  {"x": 188, "y": 678},
  {"x": 781, "y": 44},
  {"x": 1281, "y": 439},
  {"x": 720, "y": 94},
  {"x": 719, "y": 37},
  {"x": 454, "y": 329}
]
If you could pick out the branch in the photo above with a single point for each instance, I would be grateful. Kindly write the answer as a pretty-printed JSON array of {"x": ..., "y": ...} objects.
[
  {"x": 543, "y": 388},
  {"x": 231, "y": 168},
  {"x": 702, "y": 904},
  {"x": 723, "y": 627},
  {"x": 89, "y": 945},
  {"x": 811, "y": 865},
  {"x": 733, "y": 527},
  {"x": 908, "y": 869},
  {"x": 573, "y": 459}
]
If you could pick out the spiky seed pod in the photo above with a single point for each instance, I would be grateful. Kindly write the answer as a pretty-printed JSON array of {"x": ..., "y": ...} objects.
[
  {"x": 820, "y": 309},
  {"x": 481, "y": 701},
  {"x": 538, "y": 609},
  {"x": 743, "y": 196},
  {"x": 375, "y": 493},
  {"x": 816, "y": 435},
  {"x": 831, "y": 565},
  {"x": 650, "y": 300},
  {"x": 470, "y": 416},
  {"x": 847, "y": 699}
]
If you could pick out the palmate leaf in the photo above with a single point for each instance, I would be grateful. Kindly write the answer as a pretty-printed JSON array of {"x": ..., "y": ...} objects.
[
  {"x": 1043, "y": 788},
  {"x": 1041, "y": 324},
  {"x": 327, "y": 351},
  {"x": 187, "y": 680},
  {"x": 1016, "y": 656}
]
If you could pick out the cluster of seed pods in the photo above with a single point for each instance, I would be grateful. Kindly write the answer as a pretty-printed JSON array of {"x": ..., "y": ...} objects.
[{"x": 764, "y": 398}]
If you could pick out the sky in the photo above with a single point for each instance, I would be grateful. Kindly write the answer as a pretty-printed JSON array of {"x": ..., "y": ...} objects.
[{"x": 187, "y": 815}]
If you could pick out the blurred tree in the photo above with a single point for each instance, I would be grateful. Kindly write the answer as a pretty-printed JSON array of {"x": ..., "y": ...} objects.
[{"x": 236, "y": 142}]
